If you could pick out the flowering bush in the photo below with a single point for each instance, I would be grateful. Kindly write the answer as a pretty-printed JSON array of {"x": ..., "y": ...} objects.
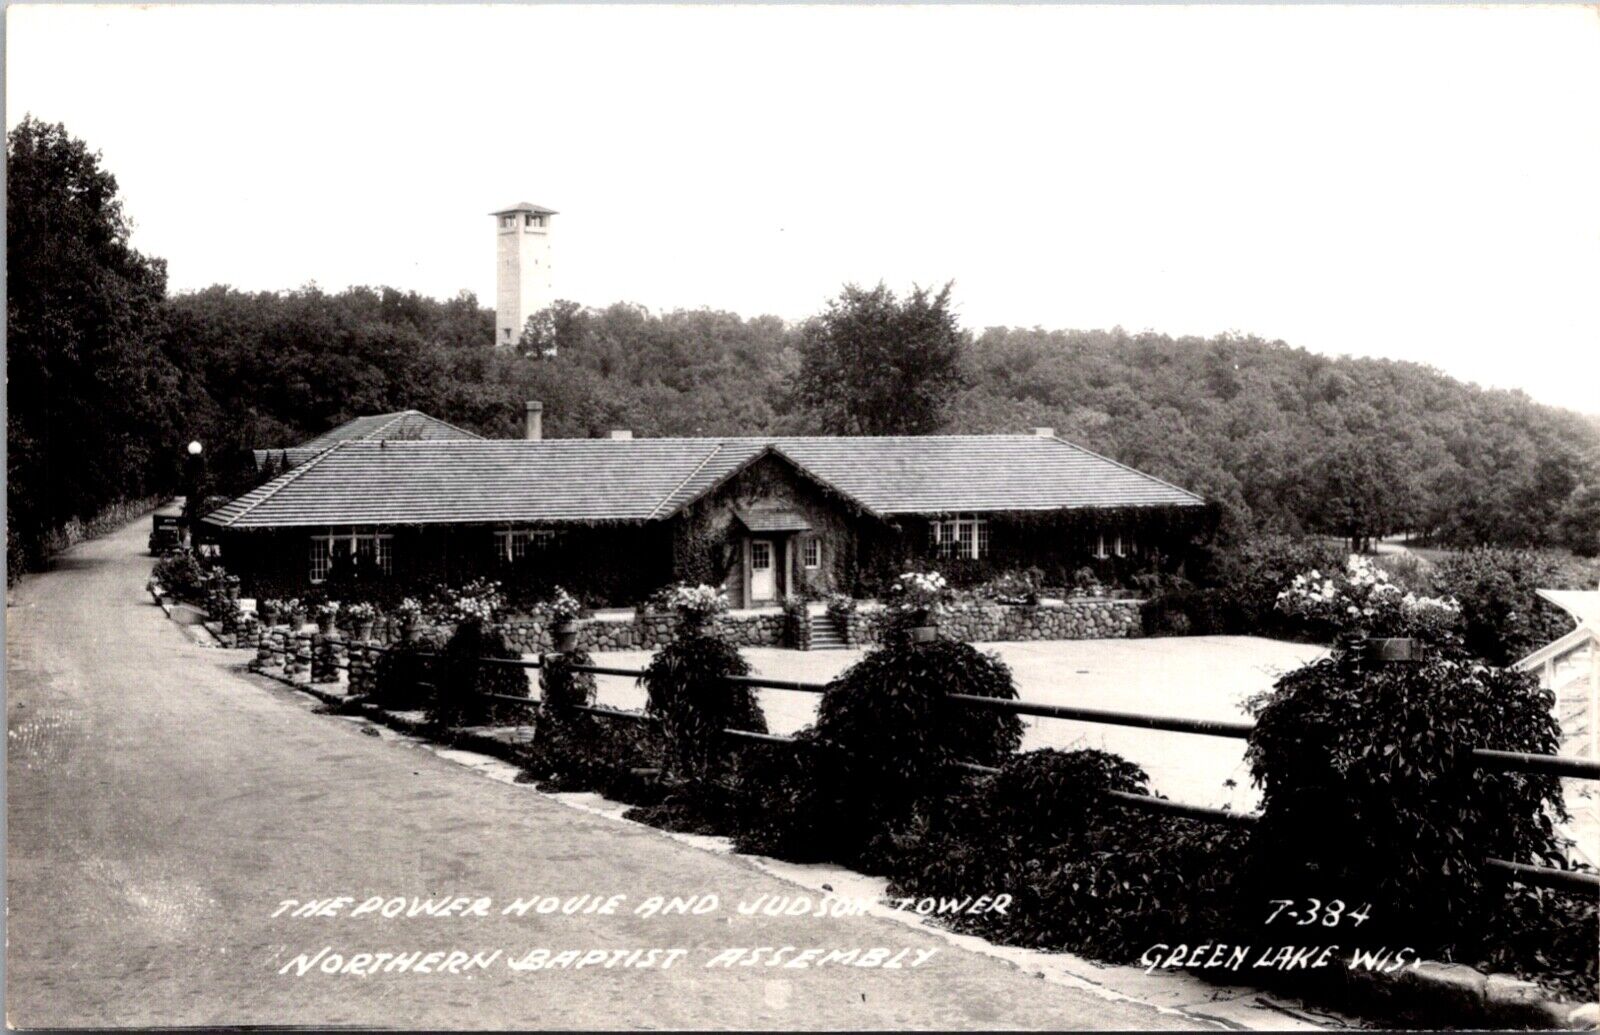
[
  {"x": 841, "y": 605},
  {"x": 921, "y": 591},
  {"x": 564, "y": 607},
  {"x": 360, "y": 611},
  {"x": 408, "y": 610},
  {"x": 697, "y": 605},
  {"x": 327, "y": 611},
  {"x": 1365, "y": 599},
  {"x": 479, "y": 599}
]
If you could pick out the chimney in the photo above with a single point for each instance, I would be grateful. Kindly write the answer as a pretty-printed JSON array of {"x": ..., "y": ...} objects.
[
  {"x": 535, "y": 425},
  {"x": 621, "y": 434},
  {"x": 1045, "y": 432}
]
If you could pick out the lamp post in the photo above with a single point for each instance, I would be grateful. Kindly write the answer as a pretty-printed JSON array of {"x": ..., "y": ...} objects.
[{"x": 194, "y": 475}]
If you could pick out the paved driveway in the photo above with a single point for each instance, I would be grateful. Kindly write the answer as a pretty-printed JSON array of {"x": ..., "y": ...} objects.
[
  {"x": 1197, "y": 677},
  {"x": 161, "y": 804}
]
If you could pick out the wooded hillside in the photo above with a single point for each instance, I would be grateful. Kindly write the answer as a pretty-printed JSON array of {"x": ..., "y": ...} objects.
[{"x": 110, "y": 375}]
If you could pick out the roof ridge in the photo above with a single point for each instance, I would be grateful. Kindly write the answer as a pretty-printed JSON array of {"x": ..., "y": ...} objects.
[
  {"x": 282, "y": 481},
  {"x": 394, "y": 418},
  {"x": 655, "y": 511}
]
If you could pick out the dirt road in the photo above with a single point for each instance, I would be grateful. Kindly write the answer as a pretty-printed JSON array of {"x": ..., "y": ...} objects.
[{"x": 162, "y": 804}]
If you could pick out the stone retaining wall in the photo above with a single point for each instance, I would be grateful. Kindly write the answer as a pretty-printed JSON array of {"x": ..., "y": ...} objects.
[{"x": 1090, "y": 618}]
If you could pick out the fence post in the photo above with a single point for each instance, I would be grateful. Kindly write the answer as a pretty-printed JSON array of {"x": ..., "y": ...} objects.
[
  {"x": 297, "y": 664},
  {"x": 327, "y": 654}
]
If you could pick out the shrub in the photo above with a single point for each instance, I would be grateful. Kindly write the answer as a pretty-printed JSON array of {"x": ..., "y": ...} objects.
[
  {"x": 1369, "y": 797},
  {"x": 1364, "y": 600},
  {"x": 688, "y": 693},
  {"x": 1013, "y": 587},
  {"x": 1085, "y": 874},
  {"x": 400, "y": 671},
  {"x": 458, "y": 695},
  {"x": 878, "y": 759},
  {"x": 183, "y": 576},
  {"x": 1186, "y": 612},
  {"x": 1249, "y": 576},
  {"x": 1503, "y": 617}
]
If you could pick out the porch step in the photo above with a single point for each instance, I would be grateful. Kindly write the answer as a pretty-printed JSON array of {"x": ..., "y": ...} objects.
[{"x": 825, "y": 635}]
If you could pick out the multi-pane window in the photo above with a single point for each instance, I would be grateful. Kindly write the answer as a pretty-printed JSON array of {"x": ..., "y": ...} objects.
[
  {"x": 959, "y": 537},
  {"x": 1100, "y": 546},
  {"x": 811, "y": 552},
  {"x": 515, "y": 544},
  {"x": 353, "y": 550}
]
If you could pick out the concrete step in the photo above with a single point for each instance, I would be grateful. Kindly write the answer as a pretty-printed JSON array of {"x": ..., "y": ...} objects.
[{"x": 825, "y": 635}]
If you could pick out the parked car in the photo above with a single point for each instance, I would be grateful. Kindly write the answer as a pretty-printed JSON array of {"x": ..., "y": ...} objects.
[{"x": 166, "y": 534}]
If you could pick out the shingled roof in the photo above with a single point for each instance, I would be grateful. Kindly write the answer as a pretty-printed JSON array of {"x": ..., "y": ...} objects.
[
  {"x": 403, "y": 425},
  {"x": 359, "y": 481}
]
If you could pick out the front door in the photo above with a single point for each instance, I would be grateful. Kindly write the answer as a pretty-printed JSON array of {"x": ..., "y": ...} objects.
[{"x": 763, "y": 586}]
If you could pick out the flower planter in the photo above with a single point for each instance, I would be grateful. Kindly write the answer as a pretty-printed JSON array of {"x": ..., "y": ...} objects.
[
  {"x": 409, "y": 630},
  {"x": 297, "y": 619},
  {"x": 270, "y": 616},
  {"x": 364, "y": 630},
  {"x": 924, "y": 633},
  {"x": 565, "y": 635},
  {"x": 325, "y": 626}
]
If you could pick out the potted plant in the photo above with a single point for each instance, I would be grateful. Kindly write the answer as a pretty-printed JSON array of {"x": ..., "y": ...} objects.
[
  {"x": 295, "y": 611},
  {"x": 918, "y": 597},
  {"x": 697, "y": 607},
  {"x": 409, "y": 612},
  {"x": 360, "y": 617},
  {"x": 327, "y": 614},
  {"x": 565, "y": 610},
  {"x": 270, "y": 611}
]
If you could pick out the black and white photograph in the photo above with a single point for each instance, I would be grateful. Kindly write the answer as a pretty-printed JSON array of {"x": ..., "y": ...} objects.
[{"x": 844, "y": 516}]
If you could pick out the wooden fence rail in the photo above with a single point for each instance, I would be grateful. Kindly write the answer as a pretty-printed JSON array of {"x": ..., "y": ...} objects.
[{"x": 1579, "y": 881}]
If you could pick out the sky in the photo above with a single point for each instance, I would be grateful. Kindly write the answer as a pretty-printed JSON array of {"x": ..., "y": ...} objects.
[{"x": 1416, "y": 183}]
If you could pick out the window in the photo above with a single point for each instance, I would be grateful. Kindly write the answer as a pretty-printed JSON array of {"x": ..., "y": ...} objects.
[
  {"x": 533, "y": 220},
  {"x": 959, "y": 537},
  {"x": 353, "y": 549},
  {"x": 513, "y": 545},
  {"x": 1100, "y": 546},
  {"x": 1117, "y": 546},
  {"x": 506, "y": 221},
  {"x": 811, "y": 552}
]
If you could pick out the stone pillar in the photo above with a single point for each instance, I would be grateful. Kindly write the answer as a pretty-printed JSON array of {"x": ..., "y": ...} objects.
[
  {"x": 327, "y": 657},
  {"x": 297, "y": 664},
  {"x": 363, "y": 669}
]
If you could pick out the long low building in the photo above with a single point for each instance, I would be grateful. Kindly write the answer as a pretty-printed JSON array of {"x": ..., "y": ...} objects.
[{"x": 766, "y": 517}]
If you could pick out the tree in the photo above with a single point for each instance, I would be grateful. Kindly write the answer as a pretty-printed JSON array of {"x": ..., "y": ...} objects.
[
  {"x": 95, "y": 404},
  {"x": 874, "y": 365}
]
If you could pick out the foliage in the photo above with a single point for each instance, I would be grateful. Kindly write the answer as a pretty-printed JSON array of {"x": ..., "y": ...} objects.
[
  {"x": 1368, "y": 794},
  {"x": 695, "y": 606},
  {"x": 400, "y": 672},
  {"x": 479, "y": 600},
  {"x": 408, "y": 610},
  {"x": 1086, "y": 875},
  {"x": 695, "y": 703},
  {"x": 601, "y": 756},
  {"x": 458, "y": 695},
  {"x": 1503, "y": 616},
  {"x": 183, "y": 576},
  {"x": 1544, "y": 935},
  {"x": 1014, "y": 587},
  {"x": 561, "y": 688},
  {"x": 85, "y": 338},
  {"x": 871, "y": 364},
  {"x": 879, "y": 754},
  {"x": 359, "y": 612},
  {"x": 1365, "y": 599},
  {"x": 564, "y": 607},
  {"x": 1239, "y": 585}
]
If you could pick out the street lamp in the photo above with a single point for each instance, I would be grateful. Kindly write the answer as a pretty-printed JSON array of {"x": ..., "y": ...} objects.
[{"x": 194, "y": 474}]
